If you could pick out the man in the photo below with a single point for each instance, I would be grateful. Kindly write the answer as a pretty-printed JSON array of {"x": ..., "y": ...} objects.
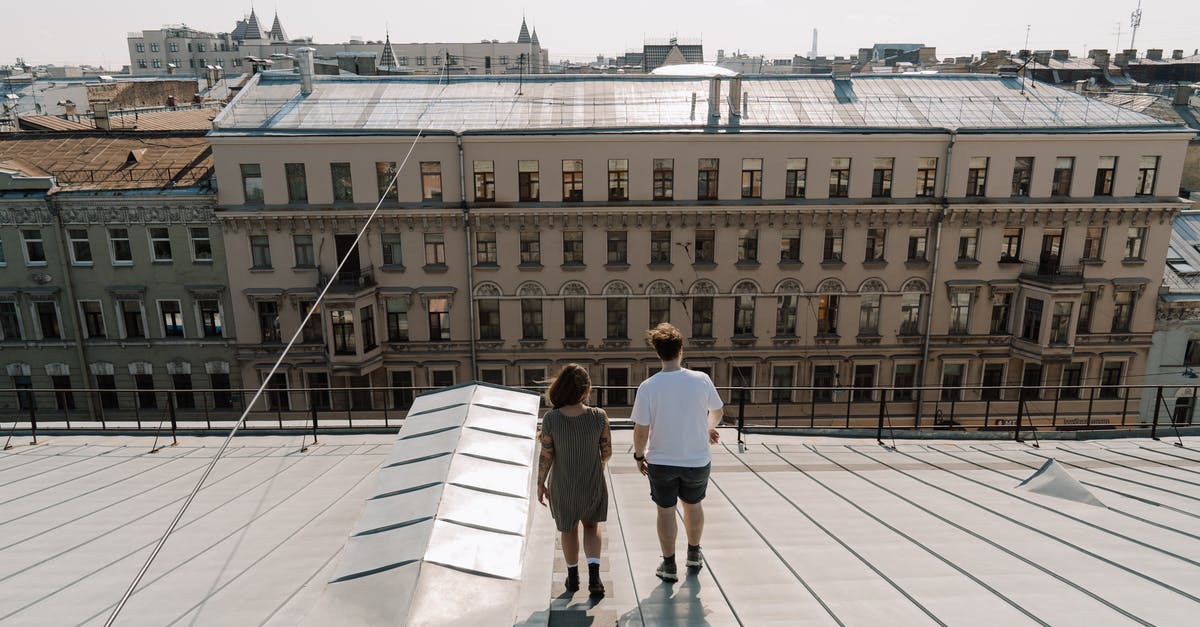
[{"x": 676, "y": 412}]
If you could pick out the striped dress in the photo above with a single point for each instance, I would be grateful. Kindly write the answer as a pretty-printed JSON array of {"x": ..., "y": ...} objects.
[{"x": 577, "y": 488}]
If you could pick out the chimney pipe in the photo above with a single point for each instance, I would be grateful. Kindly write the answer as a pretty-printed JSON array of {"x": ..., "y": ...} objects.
[
  {"x": 735, "y": 96},
  {"x": 714, "y": 100},
  {"x": 304, "y": 60}
]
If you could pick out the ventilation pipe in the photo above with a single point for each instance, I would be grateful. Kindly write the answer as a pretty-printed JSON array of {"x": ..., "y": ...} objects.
[
  {"x": 304, "y": 60},
  {"x": 735, "y": 96},
  {"x": 714, "y": 101}
]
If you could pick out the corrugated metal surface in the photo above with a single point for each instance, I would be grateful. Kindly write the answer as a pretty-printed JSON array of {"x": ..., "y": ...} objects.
[
  {"x": 274, "y": 104},
  {"x": 1185, "y": 238},
  {"x": 97, "y": 161},
  {"x": 180, "y": 120}
]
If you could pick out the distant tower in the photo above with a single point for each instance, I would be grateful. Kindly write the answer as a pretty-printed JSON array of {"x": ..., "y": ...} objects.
[
  {"x": 388, "y": 58},
  {"x": 1135, "y": 20},
  {"x": 277, "y": 33},
  {"x": 523, "y": 38},
  {"x": 812, "y": 54}
]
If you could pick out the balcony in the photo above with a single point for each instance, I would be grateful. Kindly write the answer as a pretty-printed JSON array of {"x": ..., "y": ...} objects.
[
  {"x": 349, "y": 281},
  {"x": 1051, "y": 273}
]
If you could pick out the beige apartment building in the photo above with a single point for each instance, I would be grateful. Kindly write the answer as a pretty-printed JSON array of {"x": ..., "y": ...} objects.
[{"x": 840, "y": 233}]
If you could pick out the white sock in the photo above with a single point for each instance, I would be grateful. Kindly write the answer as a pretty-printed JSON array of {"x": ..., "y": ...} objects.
[
  {"x": 593, "y": 560},
  {"x": 575, "y": 565}
]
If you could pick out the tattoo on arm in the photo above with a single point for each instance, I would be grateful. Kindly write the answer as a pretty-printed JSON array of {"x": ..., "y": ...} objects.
[
  {"x": 546, "y": 459},
  {"x": 605, "y": 443}
]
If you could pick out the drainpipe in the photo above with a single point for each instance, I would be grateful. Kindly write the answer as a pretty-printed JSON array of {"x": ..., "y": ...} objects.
[
  {"x": 933, "y": 266},
  {"x": 72, "y": 307},
  {"x": 466, "y": 209}
]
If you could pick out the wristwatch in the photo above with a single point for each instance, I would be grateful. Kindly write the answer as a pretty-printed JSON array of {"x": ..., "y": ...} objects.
[{"x": 637, "y": 458}]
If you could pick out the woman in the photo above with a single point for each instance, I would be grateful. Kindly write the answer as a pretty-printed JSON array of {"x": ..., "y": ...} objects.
[{"x": 575, "y": 443}]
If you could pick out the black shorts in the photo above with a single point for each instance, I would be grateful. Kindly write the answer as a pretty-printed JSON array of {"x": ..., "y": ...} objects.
[{"x": 669, "y": 484}]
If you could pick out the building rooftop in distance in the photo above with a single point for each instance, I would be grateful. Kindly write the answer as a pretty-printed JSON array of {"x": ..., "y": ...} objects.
[
  {"x": 799, "y": 530},
  {"x": 602, "y": 103},
  {"x": 191, "y": 119},
  {"x": 99, "y": 161}
]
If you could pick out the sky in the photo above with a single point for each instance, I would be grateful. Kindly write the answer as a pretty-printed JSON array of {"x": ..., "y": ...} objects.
[{"x": 579, "y": 31}]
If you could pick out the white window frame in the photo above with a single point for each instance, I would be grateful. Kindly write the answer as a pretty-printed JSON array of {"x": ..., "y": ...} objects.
[
  {"x": 21, "y": 331},
  {"x": 112, "y": 249},
  {"x": 966, "y": 375},
  {"x": 200, "y": 317},
  {"x": 154, "y": 255},
  {"x": 162, "y": 322},
  {"x": 193, "y": 239},
  {"x": 450, "y": 369},
  {"x": 1003, "y": 377},
  {"x": 25, "y": 248},
  {"x": 37, "y": 320},
  {"x": 121, "y": 318},
  {"x": 71, "y": 247},
  {"x": 875, "y": 384},
  {"x": 83, "y": 316}
]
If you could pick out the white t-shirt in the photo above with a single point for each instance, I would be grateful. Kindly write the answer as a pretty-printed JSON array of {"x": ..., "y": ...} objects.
[{"x": 675, "y": 406}]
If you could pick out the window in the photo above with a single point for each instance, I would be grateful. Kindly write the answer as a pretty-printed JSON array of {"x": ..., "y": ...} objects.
[
  {"x": 171, "y": 315},
  {"x": 797, "y": 177},
  {"x": 312, "y": 331},
  {"x": 864, "y": 382},
  {"x": 789, "y": 245},
  {"x": 782, "y": 379},
  {"x": 81, "y": 247},
  {"x": 402, "y": 60},
  {"x": 1060, "y": 323},
  {"x": 1064, "y": 169},
  {"x": 146, "y": 397},
  {"x": 1093, "y": 243},
  {"x": 1106, "y": 173},
  {"x": 752, "y": 178},
  {"x": 435, "y": 249},
  {"x": 1110, "y": 379},
  {"x": 302, "y": 247},
  {"x": 660, "y": 247},
  {"x": 839, "y": 178},
  {"x": 785, "y": 315},
  {"x": 122, "y": 252},
  {"x": 260, "y": 251},
  {"x": 572, "y": 180},
  {"x": 385, "y": 174},
  {"x": 35, "y": 249},
  {"x": 917, "y": 241},
  {"x": 993, "y": 380},
  {"x": 47, "y": 317},
  {"x": 439, "y": 319},
  {"x": 664, "y": 179},
  {"x": 1122, "y": 311},
  {"x": 927, "y": 177},
  {"x": 201, "y": 244},
  {"x": 952, "y": 380},
  {"x": 743, "y": 314},
  {"x": 1087, "y": 304},
  {"x": 63, "y": 397},
  {"x": 833, "y": 245},
  {"x": 910, "y": 314},
  {"x": 876, "y": 244},
  {"x": 3, "y": 259},
  {"x": 616, "y": 317},
  {"x": 706, "y": 179},
  {"x": 705, "y": 246},
  {"x": 343, "y": 331},
  {"x": 572, "y": 248},
  {"x": 1135, "y": 242},
  {"x": 660, "y": 309},
  {"x": 1072, "y": 379},
  {"x": 141, "y": 63},
  {"x": 366, "y": 316},
  {"x": 485, "y": 180},
  {"x": 277, "y": 392},
  {"x": 618, "y": 248},
  {"x": 441, "y": 378},
  {"x": 1001, "y": 313},
  {"x": 93, "y": 318},
  {"x": 1031, "y": 327},
  {"x": 740, "y": 378},
  {"x": 268, "y": 321},
  {"x": 131, "y": 318},
  {"x": 702, "y": 316},
  {"x": 868, "y": 314},
  {"x": 343, "y": 183},
  {"x": 485, "y": 248},
  {"x": 402, "y": 386},
  {"x": 252, "y": 183},
  {"x": 531, "y": 248},
  {"x": 1010, "y": 248},
  {"x": 968, "y": 244},
  {"x": 397, "y": 319},
  {"x": 827, "y": 314},
  {"x": 1147, "y": 174},
  {"x": 160, "y": 244},
  {"x": 977, "y": 169},
  {"x": 824, "y": 380},
  {"x": 1022, "y": 175},
  {"x": 420, "y": 60},
  {"x": 903, "y": 381},
  {"x": 574, "y": 321},
  {"x": 318, "y": 390},
  {"x": 139, "y": 46},
  {"x": 618, "y": 179},
  {"x": 527, "y": 181},
  {"x": 297, "y": 183},
  {"x": 531, "y": 318},
  {"x": 431, "y": 180},
  {"x": 222, "y": 397},
  {"x": 210, "y": 317},
  {"x": 489, "y": 318},
  {"x": 747, "y": 246},
  {"x": 881, "y": 178},
  {"x": 960, "y": 313},
  {"x": 1191, "y": 354}
]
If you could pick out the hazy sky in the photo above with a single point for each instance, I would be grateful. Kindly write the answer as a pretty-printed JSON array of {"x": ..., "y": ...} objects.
[{"x": 77, "y": 32}]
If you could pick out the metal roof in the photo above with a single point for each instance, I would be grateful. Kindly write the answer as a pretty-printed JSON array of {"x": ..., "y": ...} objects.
[
  {"x": 273, "y": 104},
  {"x": 105, "y": 161},
  {"x": 1181, "y": 274}
]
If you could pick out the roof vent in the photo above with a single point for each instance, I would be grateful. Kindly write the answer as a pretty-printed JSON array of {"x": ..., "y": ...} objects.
[{"x": 135, "y": 156}]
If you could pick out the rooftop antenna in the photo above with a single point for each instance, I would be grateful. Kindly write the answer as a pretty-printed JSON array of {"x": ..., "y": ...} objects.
[
  {"x": 1027, "y": 28},
  {"x": 1135, "y": 20},
  {"x": 1118, "y": 37}
]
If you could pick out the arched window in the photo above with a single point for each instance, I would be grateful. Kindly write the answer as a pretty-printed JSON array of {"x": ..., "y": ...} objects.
[
  {"x": 532, "y": 295},
  {"x": 616, "y": 306},
  {"x": 574, "y": 319},
  {"x": 743, "y": 307},
  {"x": 487, "y": 301},
  {"x": 702, "y": 308},
  {"x": 659, "y": 302}
]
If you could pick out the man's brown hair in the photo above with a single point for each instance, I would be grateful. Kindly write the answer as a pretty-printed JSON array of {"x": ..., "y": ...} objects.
[
  {"x": 666, "y": 339},
  {"x": 572, "y": 385}
]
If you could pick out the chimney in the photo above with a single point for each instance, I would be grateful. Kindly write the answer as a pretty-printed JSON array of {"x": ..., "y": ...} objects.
[
  {"x": 1183, "y": 94},
  {"x": 1042, "y": 57},
  {"x": 1154, "y": 54},
  {"x": 1121, "y": 59},
  {"x": 304, "y": 60},
  {"x": 714, "y": 100},
  {"x": 1131, "y": 54},
  {"x": 735, "y": 96},
  {"x": 1177, "y": 54},
  {"x": 1099, "y": 56},
  {"x": 100, "y": 115},
  {"x": 1060, "y": 55}
]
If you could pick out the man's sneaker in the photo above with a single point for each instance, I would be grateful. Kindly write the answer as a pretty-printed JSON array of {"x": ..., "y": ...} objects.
[
  {"x": 695, "y": 558},
  {"x": 572, "y": 583},
  {"x": 666, "y": 571}
]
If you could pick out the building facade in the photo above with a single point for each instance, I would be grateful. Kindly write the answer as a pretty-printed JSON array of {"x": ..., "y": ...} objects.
[
  {"x": 802, "y": 239},
  {"x": 112, "y": 277}
]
